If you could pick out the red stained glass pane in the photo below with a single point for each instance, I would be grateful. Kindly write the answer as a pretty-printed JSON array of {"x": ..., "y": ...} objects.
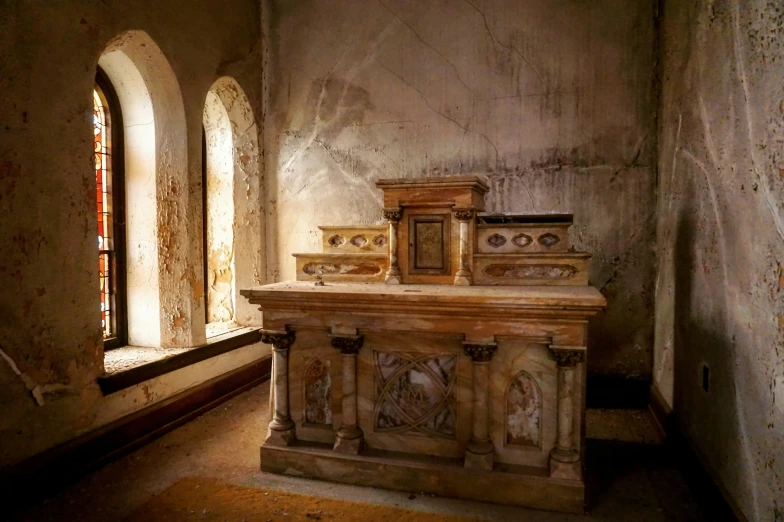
[{"x": 101, "y": 147}]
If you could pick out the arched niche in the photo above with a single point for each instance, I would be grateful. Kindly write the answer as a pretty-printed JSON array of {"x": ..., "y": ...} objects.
[
  {"x": 234, "y": 251},
  {"x": 159, "y": 307},
  {"x": 523, "y": 423}
]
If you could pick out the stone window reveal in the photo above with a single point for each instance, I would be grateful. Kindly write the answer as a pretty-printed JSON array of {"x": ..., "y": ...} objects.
[{"x": 232, "y": 254}]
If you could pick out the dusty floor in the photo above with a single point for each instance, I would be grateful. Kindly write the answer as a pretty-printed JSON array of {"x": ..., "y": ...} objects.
[
  {"x": 207, "y": 500},
  {"x": 632, "y": 477}
]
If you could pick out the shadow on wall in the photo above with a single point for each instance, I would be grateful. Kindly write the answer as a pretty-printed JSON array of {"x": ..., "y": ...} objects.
[{"x": 701, "y": 356}]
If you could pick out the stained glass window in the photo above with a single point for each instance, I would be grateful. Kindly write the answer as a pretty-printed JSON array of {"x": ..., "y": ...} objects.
[
  {"x": 108, "y": 162},
  {"x": 103, "y": 175}
]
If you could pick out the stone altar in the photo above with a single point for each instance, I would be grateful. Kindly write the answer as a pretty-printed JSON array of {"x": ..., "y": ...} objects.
[{"x": 444, "y": 353}]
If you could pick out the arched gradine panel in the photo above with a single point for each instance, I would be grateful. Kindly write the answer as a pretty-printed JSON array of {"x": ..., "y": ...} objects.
[
  {"x": 159, "y": 303},
  {"x": 318, "y": 393},
  {"x": 234, "y": 249},
  {"x": 523, "y": 411}
]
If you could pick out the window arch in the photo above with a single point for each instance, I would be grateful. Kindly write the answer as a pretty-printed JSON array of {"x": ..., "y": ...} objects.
[
  {"x": 233, "y": 234},
  {"x": 218, "y": 179},
  {"x": 110, "y": 209},
  {"x": 159, "y": 303}
]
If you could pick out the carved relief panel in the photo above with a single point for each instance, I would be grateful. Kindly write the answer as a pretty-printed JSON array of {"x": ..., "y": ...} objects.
[
  {"x": 317, "y": 393},
  {"x": 523, "y": 411},
  {"x": 523, "y": 397},
  {"x": 414, "y": 393},
  {"x": 315, "y": 386},
  {"x": 346, "y": 239}
]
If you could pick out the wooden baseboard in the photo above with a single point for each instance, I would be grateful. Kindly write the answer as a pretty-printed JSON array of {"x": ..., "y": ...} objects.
[
  {"x": 660, "y": 410},
  {"x": 45, "y": 473},
  {"x": 702, "y": 478}
]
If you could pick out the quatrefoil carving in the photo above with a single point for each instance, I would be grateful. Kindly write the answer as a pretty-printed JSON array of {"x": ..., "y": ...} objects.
[
  {"x": 548, "y": 240},
  {"x": 522, "y": 240},
  {"x": 496, "y": 240},
  {"x": 358, "y": 241}
]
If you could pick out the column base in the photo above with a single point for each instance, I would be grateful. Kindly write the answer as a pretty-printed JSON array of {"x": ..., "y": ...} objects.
[
  {"x": 279, "y": 423},
  {"x": 349, "y": 441},
  {"x": 392, "y": 279},
  {"x": 479, "y": 455},
  {"x": 464, "y": 280},
  {"x": 280, "y": 437},
  {"x": 565, "y": 464}
]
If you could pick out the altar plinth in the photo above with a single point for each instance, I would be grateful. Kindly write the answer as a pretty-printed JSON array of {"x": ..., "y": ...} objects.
[{"x": 475, "y": 392}]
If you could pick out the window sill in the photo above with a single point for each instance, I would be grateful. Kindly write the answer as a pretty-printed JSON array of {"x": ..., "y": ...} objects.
[{"x": 125, "y": 376}]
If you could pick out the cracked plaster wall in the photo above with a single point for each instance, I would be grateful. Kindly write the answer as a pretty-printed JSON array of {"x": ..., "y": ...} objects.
[
  {"x": 50, "y": 333},
  {"x": 552, "y": 102},
  {"x": 720, "y": 281}
]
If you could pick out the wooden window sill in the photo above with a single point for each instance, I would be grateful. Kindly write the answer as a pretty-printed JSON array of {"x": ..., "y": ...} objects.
[{"x": 127, "y": 374}]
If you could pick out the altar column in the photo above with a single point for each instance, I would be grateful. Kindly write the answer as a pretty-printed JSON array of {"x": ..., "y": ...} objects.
[
  {"x": 349, "y": 437},
  {"x": 393, "y": 216},
  {"x": 281, "y": 428},
  {"x": 565, "y": 457},
  {"x": 480, "y": 452},
  {"x": 463, "y": 276}
]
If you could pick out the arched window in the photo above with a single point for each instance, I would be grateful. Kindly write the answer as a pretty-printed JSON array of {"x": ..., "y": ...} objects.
[
  {"x": 110, "y": 198},
  {"x": 231, "y": 178},
  {"x": 158, "y": 305},
  {"x": 219, "y": 222}
]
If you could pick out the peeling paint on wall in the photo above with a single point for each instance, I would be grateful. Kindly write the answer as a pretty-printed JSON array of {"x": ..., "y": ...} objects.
[{"x": 48, "y": 267}]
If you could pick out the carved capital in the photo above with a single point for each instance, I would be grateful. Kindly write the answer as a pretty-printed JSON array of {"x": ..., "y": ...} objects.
[
  {"x": 480, "y": 352},
  {"x": 393, "y": 214},
  {"x": 463, "y": 214},
  {"x": 278, "y": 340},
  {"x": 566, "y": 357},
  {"x": 348, "y": 345}
]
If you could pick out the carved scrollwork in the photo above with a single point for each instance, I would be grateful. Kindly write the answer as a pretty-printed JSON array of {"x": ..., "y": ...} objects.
[
  {"x": 463, "y": 214},
  {"x": 546, "y": 271},
  {"x": 567, "y": 357},
  {"x": 480, "y": 352},
  {"x": 278, "y": 340},
  {"x": 348, "y": 345},
  {"x": 392, "y": 214}
]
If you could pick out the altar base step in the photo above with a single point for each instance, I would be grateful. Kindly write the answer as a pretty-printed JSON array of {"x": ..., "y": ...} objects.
[{"x": 437, "y": 476}]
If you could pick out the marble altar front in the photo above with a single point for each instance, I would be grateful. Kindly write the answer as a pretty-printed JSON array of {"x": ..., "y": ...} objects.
[{"x": 433, "y": 382}]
